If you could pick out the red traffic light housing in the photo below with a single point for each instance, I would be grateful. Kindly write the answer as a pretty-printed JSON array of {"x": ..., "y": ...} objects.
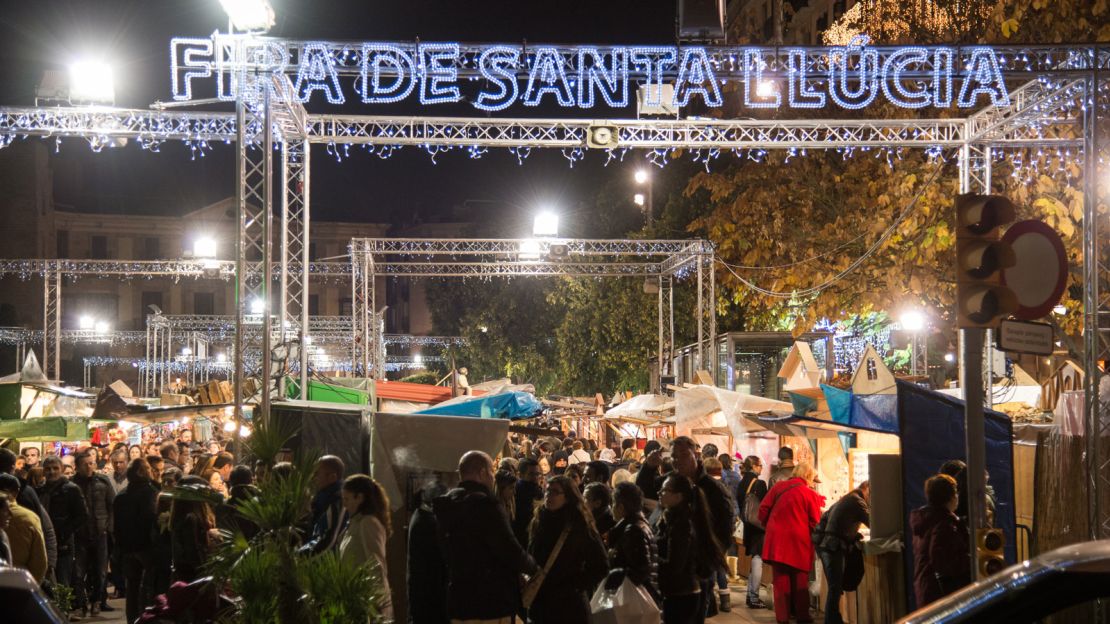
[{"x": 980, "y": 256}]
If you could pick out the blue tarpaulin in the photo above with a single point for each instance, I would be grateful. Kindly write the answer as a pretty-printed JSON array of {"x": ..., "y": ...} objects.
[
  {"x": 506, "y": 406},
  {"x": 932, "y": 432}
]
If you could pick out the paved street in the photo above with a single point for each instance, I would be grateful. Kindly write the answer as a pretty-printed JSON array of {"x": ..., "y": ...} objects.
[{"x": 739, "y": 615}]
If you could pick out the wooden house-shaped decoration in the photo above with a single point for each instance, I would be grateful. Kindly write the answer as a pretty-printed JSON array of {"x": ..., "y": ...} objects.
[
  {"x": 800, "y": 370},
  {"x": 872, "y": 376},
  {"x": 1068, "y": 376}
]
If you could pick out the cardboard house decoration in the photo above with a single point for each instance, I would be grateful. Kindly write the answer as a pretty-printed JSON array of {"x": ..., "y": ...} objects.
[
  {"x": 800, "y": 370},
  {"x": 872, "y": 376},
  {"x": 1068, "y": 376}
]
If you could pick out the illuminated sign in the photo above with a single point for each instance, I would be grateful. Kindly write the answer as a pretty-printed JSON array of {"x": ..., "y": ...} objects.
[{"x": 496, "y": 76}]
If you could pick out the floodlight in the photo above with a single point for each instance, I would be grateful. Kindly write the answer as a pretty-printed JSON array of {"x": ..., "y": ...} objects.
[
  {"x": 186, "y": 351},
  {"x": 90, "y": 82},
  {"x": 1060, "y": 310},
  {"x": 418, "y": 359},
  {"x": 229, "y": 426},
  {"x": 244, "y": 431},
  {"x": 950, "y": 357},
  {"x": 204, "y": 247},
  {"x": 258, "y": 306},
  {"x": 638, "y": 199},
  {"x": 221, "y": 357},
  {"x": 546, "y": 223},
  {"x": 102, "y": 327},
  {"x": 483, "y": 329},
  {"x": 642, "y": 176},
  {"x": 249, "y": 15},
  {"x": 86, "y": 322},
  {"x": 765, "y": 88},
  {"x": 529, "y": 249},
  {"x": 913, "y": 321}
]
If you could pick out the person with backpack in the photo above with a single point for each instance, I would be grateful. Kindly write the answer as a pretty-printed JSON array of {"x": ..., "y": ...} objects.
[
  {"x": 837, "y": 540},
  {"x": 750, "y": 493},
  {"x": 790, "y": 511}
]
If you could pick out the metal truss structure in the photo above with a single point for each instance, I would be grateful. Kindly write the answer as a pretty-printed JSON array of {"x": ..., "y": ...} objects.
[
  {"x": 659, "y": 261},
  {"x": 1056, "y": 105}
]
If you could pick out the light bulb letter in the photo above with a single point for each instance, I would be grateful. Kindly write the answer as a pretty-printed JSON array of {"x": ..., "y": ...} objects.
[
  {"x": 498, "y": 66},
  {"x": 316, "y": 71},
  {"x": 611, "y": 80},
  {"x": 695, "y": 75},
  {"x": 439, "y": 73},
  {"x": 983, "y": 77},
  {"x": 754, "y": 64},
  {"x": 548, "y": 75},
  {"x": 384, "y": 60}
]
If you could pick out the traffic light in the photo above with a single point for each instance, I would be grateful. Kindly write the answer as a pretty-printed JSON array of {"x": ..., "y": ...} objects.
[
  {"x": 988, "y": 548},
  {"x": 980, "y": 256}
]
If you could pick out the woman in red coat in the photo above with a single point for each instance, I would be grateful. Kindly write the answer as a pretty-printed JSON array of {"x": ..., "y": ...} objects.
[{"x": 789, "y": 511}]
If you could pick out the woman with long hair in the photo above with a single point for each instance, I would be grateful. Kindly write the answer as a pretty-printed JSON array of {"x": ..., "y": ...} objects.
[
  {"x": 677, "y": 543},
  {"x": 564, "y": 541},
  {"x": 370, "y": 525},
  {"x": 192, "y": 526}
]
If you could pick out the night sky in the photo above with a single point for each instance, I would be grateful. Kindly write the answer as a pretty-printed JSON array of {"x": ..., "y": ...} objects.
[{"x": 134, "y": 36}]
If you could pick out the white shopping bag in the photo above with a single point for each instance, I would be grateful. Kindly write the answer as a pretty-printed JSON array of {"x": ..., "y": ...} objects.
[{"x": 629, "y": 604}]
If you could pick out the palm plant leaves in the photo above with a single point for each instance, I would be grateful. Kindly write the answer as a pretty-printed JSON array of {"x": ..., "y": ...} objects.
[{"x": 340, "y": 592}]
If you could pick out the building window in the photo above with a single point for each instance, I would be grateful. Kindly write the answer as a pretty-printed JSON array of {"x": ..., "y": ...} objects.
[
  {"x": 204, "y": 303},
  {"x": 63, "y": 243},
  {"x": 345, "y": 307},
  {"x": 150, "y": 298},
  {"x": 151, "y": 249},
  {"x": 99, "y": 247},
  {"x": 314, "y": 305}
]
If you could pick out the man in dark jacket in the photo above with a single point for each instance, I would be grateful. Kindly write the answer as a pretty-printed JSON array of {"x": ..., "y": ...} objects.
[
  {"x": 752, "y": 485},
  {"x": 30, "y": 500},
  {"x": 328, "y": 516},
  {"x": 785, "y": 469},
  {"x": 240, "y": 482},
  {"x": 92, "y": 539},
  {"x": 484, "y": 560},
  {"x": 135, "y": 517},
  {"x": 649, "y": 478},
  {"x": 529, "y": 492},
  {"x": 427, "y": 571},
  {"x": 688, "y": 464},
  {"x": 66, "y": 506},
  {"x": 840, "y": 539}
]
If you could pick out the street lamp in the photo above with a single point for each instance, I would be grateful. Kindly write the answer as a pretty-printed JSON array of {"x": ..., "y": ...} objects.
[
  {"x": 249, "y": 15},
  {"x": 913, "y": 321},
  {"x": 258, "y": 306},
  {"x": 642, "y": 177},
  {"x": 86, "y": 322},
  {"x": 102, "y": 327},
  {"x": 765, "y": 89}
]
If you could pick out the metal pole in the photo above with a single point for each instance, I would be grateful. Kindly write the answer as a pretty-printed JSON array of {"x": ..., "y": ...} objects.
[
  {"x": 701, "y": 319},
  {"x": 267, "y": 249},
  {"x": 650, "y": 199},
  {"x": 1092, "y": 343},
  {"x": 972, "y": 355},
  {"x": 305, "y": 259},
  {"x": 240, "y": 261},
  {"x": 659, "y": 316}
]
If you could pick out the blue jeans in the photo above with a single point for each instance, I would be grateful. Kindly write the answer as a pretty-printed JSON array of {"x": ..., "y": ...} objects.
[
  {"x": 722, "y": 579},
  {"x": 755, "y": 577}
]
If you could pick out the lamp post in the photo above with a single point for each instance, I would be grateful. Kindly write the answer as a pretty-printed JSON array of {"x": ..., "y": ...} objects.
[
  {"x": 644, "y": 178},
  {"x": 913, "y": 321}
]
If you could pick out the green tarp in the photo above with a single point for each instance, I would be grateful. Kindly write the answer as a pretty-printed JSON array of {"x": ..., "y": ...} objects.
[
  {"x": 48, "y": 429},
  {"x": 328, "y": 393}
]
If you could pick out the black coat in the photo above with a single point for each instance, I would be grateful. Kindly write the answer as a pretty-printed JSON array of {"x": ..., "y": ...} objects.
[
  {"x": 753, "y": 535},
  {"x": 677, "y": 554},
  {"x": 564, "y": 595},
  {"x": 484, "y": 559},
  {"x": 427, "y": 571},
  {"x": 604, "y": 521},
  {"x": 66, "y": 506},
  {"x": 648, "y": 479},
  {"x": 632, "y": 548},
  {"x": 528, "y": 494},
  {"x": 845, "y": 518},
  {"x": 135, "y": 517}
]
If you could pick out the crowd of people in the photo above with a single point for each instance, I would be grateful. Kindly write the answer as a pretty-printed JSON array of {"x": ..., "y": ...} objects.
[
  {"x": 529, "y": 536},
  {"x": 99, "y": 520}
]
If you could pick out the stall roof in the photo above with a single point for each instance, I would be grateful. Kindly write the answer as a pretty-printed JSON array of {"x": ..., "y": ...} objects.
[
  {"x": 46, "y": 429},
  {"x": 151, "y": 414},
  {"x": 50, "y": 388}
]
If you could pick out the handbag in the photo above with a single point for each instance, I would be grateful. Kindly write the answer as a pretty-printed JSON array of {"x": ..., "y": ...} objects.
[
  {"x": 532, "y": 587},
  {"x": 751, "y": 508}
]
